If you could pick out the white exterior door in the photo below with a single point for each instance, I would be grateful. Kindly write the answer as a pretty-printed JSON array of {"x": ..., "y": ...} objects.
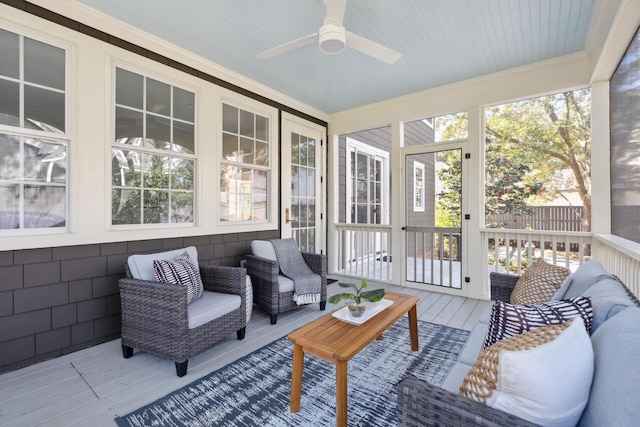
[{"x": 303, "y": 213}]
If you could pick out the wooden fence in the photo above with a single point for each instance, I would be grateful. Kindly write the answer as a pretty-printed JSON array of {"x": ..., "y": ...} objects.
[{"x": 556, "y": 218}]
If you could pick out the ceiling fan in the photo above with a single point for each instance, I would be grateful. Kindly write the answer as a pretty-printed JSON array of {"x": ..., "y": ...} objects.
[{"x": 334, "y": 38}]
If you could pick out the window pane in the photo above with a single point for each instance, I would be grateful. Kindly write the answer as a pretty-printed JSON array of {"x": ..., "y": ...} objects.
[
  {"x": 259, "y": 195},
  {"x": 9, "y": 207},
  {"x": 302, "y": 174},
  {"x": 295, "y": 181},
  {"x": 246, "y": 151},
  {"x": 182, "y": 174},
  {"x": 183, "y": 104},
  {"x": 311, "y": 182},
  {"x": 155, "y": 171},
  {"x": 125, "y": 168},
  {"x": 158, "y": 133},
  {"x": 183, "y": 138},
  {"x": 303, "y": 216},
  {"x": 311, "y": 161},
  {"x": 295, "y": 212},
  {"x": 45, "y": 108},
  {"x": 158, "y": 97},
  {"x": 129, "y": 88},
  {"x": 262, "y": 128},
  {"x": 125, "y": 208},
  {"x": 311, "y": 208},
  {"x": 43, "y": 64},
  {"x": 229, "y": 119},
  {"x": 156, "y": 207},
  {"x": 295, "y": 148},
  {"x": 181, "y": 206},
  {"x": 230, "y": 147},
  {"x": 9, "y": 103},
  {"x": 129, "y": 126},
  {"x": 44, "y": 206},
  {"x": 247, "y": 127},
  {"x": 362, "y": 166},
  {"x": 304, "y": 156},
  {"x": 10, "y": 155},
  {"x": 9, "y": 54},
  {"x": 44, "y": 161},
  {"x": 262, "y": 154}
]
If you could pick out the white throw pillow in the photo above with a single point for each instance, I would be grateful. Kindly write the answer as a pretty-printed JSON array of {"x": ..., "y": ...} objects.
[{"x": 543, "y": 376}]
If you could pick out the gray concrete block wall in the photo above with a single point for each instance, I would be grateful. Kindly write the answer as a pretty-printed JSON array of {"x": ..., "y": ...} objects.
[{"x": 57, "y": 300}]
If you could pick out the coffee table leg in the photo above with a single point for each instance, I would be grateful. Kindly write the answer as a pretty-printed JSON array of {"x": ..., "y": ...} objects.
[
  {"x": 341, "y": 393},
  {"x": 413, "y": 327},
  {"x": 296, "y": 378}
]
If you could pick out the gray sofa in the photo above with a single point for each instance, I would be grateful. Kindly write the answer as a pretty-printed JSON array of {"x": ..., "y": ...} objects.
[{"x": 615, "y": 391}]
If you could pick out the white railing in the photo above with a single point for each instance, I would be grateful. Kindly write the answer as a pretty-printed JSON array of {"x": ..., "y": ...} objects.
[
  {"x": 513, "y": 250},
  {"x": 433, "y": 256},
  {"x": 363, "y": 251},
  {"x": 620, "y": 257}
]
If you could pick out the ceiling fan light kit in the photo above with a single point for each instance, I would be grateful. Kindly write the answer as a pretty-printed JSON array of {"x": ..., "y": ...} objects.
[{"x": 333, "y": 38}]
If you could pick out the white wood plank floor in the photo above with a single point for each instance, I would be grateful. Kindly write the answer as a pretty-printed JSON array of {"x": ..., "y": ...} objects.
[{"x": 94, "y": 385}]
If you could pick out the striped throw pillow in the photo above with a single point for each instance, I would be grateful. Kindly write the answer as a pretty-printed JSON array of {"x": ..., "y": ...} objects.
[
  {"x": 181, "y": 271},
  {"x": 508, "y": 320}
]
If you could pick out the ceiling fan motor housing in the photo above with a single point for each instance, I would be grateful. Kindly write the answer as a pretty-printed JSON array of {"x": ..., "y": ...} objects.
[{"x": 332, "y": 38}]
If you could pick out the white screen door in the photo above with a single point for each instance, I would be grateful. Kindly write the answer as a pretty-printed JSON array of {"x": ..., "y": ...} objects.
[{"x": 303, "y": 187}]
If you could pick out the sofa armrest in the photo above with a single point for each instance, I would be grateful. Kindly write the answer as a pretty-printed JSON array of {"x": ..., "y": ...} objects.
[
  {"x": 502, "y": 285},
  {"x": 422, "y": 404}
]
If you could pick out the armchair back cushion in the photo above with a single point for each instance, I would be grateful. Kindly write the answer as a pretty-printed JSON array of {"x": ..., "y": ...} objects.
[
  {"x": 141, "y": 266},
  {"x": 263, "y": 249}
]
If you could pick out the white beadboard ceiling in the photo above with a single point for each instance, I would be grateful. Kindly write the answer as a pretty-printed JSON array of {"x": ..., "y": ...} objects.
[{"x": 441, "y": 41}]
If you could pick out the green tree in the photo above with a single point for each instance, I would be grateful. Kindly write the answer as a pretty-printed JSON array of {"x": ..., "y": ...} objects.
[
  {"x": 551, "y": 137},
  {"x": 534, "y": 149}
]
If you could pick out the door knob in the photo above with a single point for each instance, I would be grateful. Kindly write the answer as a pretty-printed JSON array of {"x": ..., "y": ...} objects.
[{"x": 286, "y": 216}]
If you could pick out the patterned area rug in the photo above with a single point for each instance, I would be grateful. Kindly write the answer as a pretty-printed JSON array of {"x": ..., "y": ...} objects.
[{"x": 254, "y": 390}]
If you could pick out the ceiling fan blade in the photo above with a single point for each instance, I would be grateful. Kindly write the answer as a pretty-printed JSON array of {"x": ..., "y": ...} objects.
[
  {"x": 274, "y": 51},
  {"x": 335, "y": 11},
  {"x": 371, "y": 48}
]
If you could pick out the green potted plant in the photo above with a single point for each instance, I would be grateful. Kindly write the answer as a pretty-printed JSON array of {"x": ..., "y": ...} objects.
[{"x": 357, "y": 307}]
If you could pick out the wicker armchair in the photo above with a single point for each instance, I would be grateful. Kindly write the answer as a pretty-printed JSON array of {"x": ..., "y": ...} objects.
[
  {"x": 155, "y": 316},
  {"x": 502, "y": 285},
  {"x": 265, "y": 276}
]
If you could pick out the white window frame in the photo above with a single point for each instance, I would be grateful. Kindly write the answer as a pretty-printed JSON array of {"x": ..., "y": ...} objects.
[
  {"x": 418, "y": 187},
  {"x": 22, "y": 132},
  {"x": 147, "y": 74},
  {"x": 361, "y": 147},
  {"x": 273, "y": 192}
]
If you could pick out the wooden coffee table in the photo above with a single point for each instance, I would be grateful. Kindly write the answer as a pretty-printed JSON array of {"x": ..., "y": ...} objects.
[{"x": 337, "y": 341}]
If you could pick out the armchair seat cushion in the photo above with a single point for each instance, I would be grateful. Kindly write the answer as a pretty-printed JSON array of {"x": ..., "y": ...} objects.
[
  {"x": 285, "y": 284},
  {"x": 211, "y": 306}
]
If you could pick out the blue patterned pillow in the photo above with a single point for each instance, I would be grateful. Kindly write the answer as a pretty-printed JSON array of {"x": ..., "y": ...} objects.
[
  {"x": 182, "y": 271},
  {"x": 508, "y": 320}
]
